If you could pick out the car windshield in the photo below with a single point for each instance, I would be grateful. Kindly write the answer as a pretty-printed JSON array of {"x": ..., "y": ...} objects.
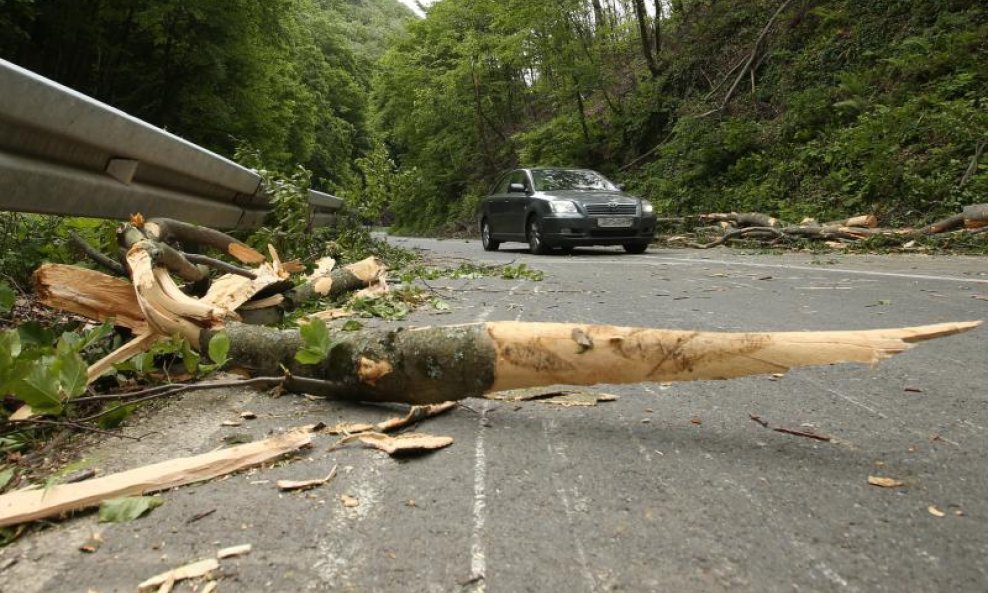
[{"x": 569, "y": 179}]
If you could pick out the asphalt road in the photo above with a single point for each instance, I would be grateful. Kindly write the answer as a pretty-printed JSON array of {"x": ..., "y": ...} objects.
[{"x": 669, "y": 488}]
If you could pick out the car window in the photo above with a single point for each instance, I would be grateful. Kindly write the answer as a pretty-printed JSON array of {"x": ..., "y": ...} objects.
[
  {"x": 501, "y": 187},
  {"x": 570, "y": 179},
  {"x": 519, "y": 177}
]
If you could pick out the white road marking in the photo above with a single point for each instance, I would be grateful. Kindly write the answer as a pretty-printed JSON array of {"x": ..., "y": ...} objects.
[
  {"x": 559, "y": 449},
  {"x": 686, "y": 261},
  {"x": 339, "y": 552},
  {"x": 478, "y": 559}
]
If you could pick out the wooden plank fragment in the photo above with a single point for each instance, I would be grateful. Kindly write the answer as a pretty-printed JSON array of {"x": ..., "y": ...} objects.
[{"x": 23, "y": 506}]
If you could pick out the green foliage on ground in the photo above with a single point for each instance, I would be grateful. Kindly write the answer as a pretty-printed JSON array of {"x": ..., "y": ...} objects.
[{"x": 853, "y": 106}]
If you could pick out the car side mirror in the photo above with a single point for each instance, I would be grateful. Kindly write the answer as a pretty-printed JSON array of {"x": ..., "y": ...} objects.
[
  {"x": 516, "y": 188},
  {"x": 621, "y": 186}
]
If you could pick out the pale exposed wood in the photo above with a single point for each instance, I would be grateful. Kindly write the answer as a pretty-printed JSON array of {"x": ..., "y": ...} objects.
[
  {"x": 869, "y": 221},
  {"x": 132, "y": 348},
  {"x": 533, "y": 354},
  {"x": 189, "y": 571},
  {"x": 231, "y": 291},
  {"x": 976, "y": 216},
  {"x": 23, "y": 506},
  {"x": 167, "y": 309},
  {"x": 89, "y": 293},
  {"x": 234, "y": 551},
  {"x": 271, "y": 301}
]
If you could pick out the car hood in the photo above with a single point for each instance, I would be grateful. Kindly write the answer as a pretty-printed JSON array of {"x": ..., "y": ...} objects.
[{"x": 592, "y": 197}]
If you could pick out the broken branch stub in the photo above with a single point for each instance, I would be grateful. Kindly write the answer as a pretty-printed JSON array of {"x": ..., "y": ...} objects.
[{"x": 436, "y": 364}]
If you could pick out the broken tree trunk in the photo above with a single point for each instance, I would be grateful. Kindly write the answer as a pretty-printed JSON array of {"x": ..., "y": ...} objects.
[
  {"x": 756, "y": 219},
  {"x": 976, "y": 216},
  {"x": 435, "y": 364}
]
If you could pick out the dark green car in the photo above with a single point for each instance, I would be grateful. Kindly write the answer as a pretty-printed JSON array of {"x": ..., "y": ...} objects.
[{"x": 564, "y": 208}]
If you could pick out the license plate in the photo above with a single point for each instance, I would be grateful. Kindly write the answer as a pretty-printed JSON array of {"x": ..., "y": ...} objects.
[{"x": 615, "y": 222}]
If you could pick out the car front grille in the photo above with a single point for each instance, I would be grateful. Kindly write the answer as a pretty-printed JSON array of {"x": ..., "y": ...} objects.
[{"x": 607, "y": 210}]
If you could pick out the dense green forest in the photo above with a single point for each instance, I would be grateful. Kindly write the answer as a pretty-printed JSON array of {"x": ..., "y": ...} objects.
[
  {"x": 288, "y": 78},
  {"x": 792, "y": 107}
]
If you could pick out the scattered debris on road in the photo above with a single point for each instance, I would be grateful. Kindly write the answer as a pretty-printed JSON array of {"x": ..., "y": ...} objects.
[
  {"x": 809, "y": 434},
  {"x": 189, "y": 571},
  {"x": 29, "y": 505},
  {"x": 885, "y": 482},
  {"x": 402, "y": 444},
  {"x": 233, "y": 551},
  {"x": 288, "y": 485},
  {"x": 936, "y": 512}
]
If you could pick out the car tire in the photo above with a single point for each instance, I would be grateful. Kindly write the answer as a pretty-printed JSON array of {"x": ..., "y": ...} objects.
[
  {"x": 635, "y": 247},
  {"x": 534, "y": 234},
  {"x": 485, "y": 237}
]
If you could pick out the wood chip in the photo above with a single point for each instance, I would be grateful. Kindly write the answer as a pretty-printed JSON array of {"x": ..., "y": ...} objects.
[
  {"x": 209, "y": 587},
  {"x": 189, "y": 571},
  {"x": 349, "y": 501},
  {"x": 933, "y": 510},
  {"x": 92, "y": 544},
  {"x": 233, "y": 551},
  {"x": 231, "y": 423},
  {"x": 404, "y": 443},
  {"x": 884, "y": 482},
  {"x": 288, "y": 485},
  {"x": 248, "y": 415}
]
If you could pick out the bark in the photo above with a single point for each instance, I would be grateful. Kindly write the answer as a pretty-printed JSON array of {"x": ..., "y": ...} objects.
[
  {"x": 642, "y": 18},
  {"x": 330, "y": 284},
  {"x": 751, "y": 219},
  {"x": 436, "y": 364},
  {"x": 950, "y": 223}
]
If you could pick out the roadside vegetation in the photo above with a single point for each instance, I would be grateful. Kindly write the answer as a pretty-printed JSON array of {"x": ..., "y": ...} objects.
[{"x": 824, "y": 110}]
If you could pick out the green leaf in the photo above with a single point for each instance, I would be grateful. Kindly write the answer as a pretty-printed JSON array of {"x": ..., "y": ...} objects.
[
  {"x": 5, "y": 477},
  {"x": 190, "y": 358},
  {"x": 33, "y": 333},
  {"x": 10, "y": 349},
  {"x": 316, "y": 342},
  {"x": 128, "y": 508},
  {"x": 115, "y": 415},
  {"x": 39, "y": 387},
  {"x": 352, "y": 325},
  {"x": 7, "y": 298},
  {"x": 219, "y": 348},
  {"x": 72, "y": 375}
]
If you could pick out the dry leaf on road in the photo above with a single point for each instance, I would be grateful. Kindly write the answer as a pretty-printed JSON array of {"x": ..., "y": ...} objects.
[{"x": 404, "y": 443}]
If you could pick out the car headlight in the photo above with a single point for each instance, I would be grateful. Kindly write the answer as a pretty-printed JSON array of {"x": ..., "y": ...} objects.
[
  {"x": 563, "y": 206},
  {"x": 647, "y": 207}
]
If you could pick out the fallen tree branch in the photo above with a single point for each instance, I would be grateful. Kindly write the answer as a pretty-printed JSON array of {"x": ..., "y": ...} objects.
[
  {"x": 752, "y": 56},
  {"x": 168, "y": 229},
  {"x": 29, "y": 505},
  {"x": 436, "y": 364},
  {"x": 109, "y": 264}
]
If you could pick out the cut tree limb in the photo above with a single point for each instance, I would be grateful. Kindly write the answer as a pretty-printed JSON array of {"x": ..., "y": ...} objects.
[
  {"x": 30, "y": 505},
  {"x": 976, "y": 216},
  {"x": 168, "y": 229},
  {"x": 436, "y": 364},
  {"x": 132, "y": 348},
  {"x": 335, "y": 282}
]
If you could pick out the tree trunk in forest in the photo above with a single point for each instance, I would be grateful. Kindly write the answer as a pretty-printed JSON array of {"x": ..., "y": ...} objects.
[
  {"x": 658, "y": 28},
  {"x": 642, "y": 18}
]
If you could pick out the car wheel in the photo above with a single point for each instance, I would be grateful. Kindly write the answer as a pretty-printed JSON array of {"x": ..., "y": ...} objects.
[
  {"x": 485, "y": 237},
  {"x": 635, "y": 247},
  {"x": 535, "y": 243}
]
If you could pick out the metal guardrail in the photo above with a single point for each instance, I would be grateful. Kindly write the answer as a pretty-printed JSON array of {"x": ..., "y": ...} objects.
[{"x": 62, "y": 152}]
